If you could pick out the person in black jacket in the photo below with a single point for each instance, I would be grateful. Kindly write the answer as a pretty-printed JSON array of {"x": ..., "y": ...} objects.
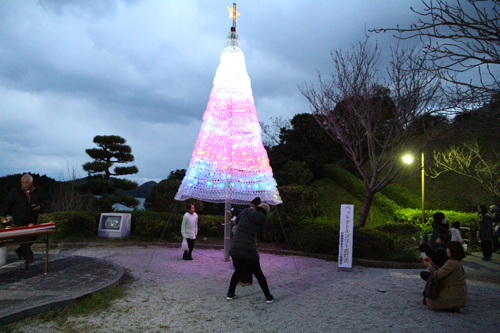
[
  {"x": 243, "y": 249},
  {"x": 440, "y": 226},
  {"x": 439, "y": 256},
  {"x": 24, "y": 204}
]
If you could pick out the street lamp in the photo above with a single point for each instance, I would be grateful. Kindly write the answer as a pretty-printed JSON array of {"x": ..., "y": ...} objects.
[{"x": 409, "y": 160}]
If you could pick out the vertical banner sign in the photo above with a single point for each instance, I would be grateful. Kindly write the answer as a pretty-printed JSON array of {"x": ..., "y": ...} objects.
[{"x": 346, "y": 235}]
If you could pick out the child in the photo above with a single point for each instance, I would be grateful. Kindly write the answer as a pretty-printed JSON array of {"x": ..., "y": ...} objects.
[
  {"x": 189, "y": 230},
  {"x": 455, "y": 233}
]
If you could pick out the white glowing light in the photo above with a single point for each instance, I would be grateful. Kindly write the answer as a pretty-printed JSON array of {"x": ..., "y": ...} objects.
[{"x": 229, "y": 161}]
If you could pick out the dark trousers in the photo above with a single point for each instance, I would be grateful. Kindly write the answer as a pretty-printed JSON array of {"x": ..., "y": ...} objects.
[
  {"x": 240, "y": 265},
  {"x": 487, "y": 248},
  {"x": 247, "y": 276},
  {"x": 190, "y": 247},
  {"x": 25, "y": 249},
  {"x": 496, "y": 244}
]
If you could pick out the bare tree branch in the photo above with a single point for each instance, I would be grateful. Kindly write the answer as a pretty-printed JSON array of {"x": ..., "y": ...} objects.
[
  {"x": 271, "y": 133},
  {"x": 470, "y": 160},
  {"x": 372, "y": 114},
  {"x": 460, "y": 40}
]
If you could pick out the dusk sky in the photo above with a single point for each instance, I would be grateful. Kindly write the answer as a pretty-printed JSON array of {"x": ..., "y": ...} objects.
[{"x": 144, "y": 70}]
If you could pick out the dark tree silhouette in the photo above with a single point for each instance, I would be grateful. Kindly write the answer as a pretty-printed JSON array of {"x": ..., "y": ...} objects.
[
  {"x": 112, "y": 150},
  {"x": 370, "y": 114},
  {"x": 461, "y": 40}
]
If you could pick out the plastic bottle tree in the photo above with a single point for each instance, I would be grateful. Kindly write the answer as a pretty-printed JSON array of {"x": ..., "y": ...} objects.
[{"x": 229, "y": 163}]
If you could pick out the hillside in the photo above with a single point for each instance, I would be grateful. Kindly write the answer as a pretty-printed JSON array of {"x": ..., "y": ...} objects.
[{"x": 447, "y": 192}]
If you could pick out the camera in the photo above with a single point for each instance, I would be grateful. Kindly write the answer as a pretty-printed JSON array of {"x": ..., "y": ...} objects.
[{"x": 33, "y": 206}]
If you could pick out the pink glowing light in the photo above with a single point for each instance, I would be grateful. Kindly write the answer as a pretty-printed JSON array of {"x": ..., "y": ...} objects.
[{"x": 229, "y": 162}]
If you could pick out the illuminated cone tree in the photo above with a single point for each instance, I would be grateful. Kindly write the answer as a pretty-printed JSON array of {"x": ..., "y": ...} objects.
[{"x": 229, "y": 163}]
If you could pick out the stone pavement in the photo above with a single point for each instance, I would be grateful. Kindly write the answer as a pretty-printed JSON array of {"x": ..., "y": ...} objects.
[{"x": 24, "y": 294}]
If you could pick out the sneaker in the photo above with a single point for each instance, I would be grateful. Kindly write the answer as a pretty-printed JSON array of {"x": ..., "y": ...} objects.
[
  {"x": 269, "y": 299},
  {"x": 230, "y": 297}
]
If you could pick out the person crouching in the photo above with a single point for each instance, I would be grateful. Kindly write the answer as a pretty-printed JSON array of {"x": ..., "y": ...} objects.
[{"x": 243, "y": 249}]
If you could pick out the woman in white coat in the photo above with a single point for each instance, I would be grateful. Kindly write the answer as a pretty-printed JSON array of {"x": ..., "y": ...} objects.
[{"x": 189, "y": 230}]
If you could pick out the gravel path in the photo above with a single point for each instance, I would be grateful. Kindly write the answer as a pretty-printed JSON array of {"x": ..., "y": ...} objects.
[{"x": 173, "y": 295}]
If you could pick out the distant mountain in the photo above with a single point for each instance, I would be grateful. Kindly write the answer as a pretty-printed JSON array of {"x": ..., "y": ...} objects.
[{"x": 142, "y": 191}]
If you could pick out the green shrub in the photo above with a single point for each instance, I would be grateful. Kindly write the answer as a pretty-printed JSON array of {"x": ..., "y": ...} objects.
[
  {"x": 146, "y": 225},
  {"x": 73, "y": 224},
  {"x": 371, "y": 244},
  {"x": 467, "y": 220},
  {"x": 151, "y": 225},
  {"x": 402, "y": 196},
  {"x": 300, "y": 202},
  {"x": 324, "y": 239},
  {"x": 399, "y": 230},
  {"x": 405, "y": 235},
  {"x": 414, "y": 216}
]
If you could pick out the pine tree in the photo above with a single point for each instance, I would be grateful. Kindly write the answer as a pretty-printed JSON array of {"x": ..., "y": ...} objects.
[{"x": 112, "y": 149}]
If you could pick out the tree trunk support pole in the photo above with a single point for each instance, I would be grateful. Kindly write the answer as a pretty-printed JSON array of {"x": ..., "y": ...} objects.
[{"x": 227, "y": 229}]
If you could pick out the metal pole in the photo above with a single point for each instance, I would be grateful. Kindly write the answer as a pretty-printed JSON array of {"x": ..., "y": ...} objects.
[
  {"x": 227, "y": 229},
  {"x": 423, "y": 189}
]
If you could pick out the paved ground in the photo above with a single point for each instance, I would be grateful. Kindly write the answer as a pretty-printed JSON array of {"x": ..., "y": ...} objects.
[
  {"x": 28, "y": 293},
  {"x": 24, "y": 294}
]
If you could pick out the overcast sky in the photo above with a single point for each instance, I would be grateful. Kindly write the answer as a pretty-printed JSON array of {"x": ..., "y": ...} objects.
[{"x": 143, "y": 70}]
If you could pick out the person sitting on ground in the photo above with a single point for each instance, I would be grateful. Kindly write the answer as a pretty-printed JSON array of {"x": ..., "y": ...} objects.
[
  {"x": 453, "y": 294},
  {"x": 438, "y": 256},
  {"x": 439, "y": 227}
]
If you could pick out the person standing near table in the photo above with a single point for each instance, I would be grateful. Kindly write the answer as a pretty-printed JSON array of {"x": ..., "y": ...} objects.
[
  {"x": 24, "y": 204},
  {"x": 189, "y": 230}
]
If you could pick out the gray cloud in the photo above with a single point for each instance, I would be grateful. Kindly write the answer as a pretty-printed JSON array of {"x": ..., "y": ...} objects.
[{"x": 73, "y": 69}]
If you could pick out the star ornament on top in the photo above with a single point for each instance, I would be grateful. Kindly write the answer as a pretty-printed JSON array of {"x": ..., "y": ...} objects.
[{"x": 233, "y": 14}]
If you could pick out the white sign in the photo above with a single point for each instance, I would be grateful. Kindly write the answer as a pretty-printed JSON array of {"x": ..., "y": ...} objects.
[{"x": 346, "y": 235}]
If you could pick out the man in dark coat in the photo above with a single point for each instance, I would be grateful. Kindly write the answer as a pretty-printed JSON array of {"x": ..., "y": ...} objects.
[
  {"x": 243, "y": 249},
  {"x": 24, "y": 203}
]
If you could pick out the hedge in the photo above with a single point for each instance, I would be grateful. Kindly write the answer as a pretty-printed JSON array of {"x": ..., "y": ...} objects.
[
  {"x": 149, "y": 226},
  {"x": 146, "y": 226}
]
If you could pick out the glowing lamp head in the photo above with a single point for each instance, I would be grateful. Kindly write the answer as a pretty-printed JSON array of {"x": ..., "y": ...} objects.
[{"x": 408, "y": 159}]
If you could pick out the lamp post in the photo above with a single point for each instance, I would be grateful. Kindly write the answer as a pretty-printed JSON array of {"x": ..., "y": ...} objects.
[{"x": 409, "y": 160}]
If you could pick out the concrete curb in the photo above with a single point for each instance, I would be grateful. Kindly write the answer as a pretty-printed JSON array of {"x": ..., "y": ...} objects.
[{"x": 59, "y": 302}]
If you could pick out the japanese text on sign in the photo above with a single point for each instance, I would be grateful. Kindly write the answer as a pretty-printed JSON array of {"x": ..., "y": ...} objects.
[{"x": 346, "y": 236}]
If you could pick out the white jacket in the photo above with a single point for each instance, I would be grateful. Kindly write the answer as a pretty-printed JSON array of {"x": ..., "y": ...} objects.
[
  {"x": 456, "y": 236},
  {"x": 189, "y": 227}
]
